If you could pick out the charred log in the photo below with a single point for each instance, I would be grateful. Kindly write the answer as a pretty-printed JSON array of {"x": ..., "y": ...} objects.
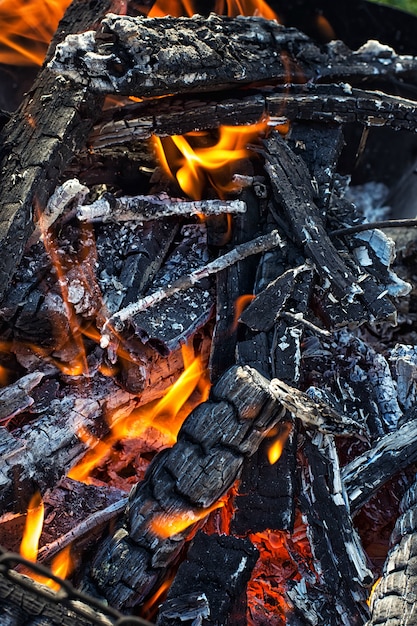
[{"x": 214, "y": 53}]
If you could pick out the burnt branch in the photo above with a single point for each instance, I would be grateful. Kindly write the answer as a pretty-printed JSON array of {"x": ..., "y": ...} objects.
[{"x": 256, "y": 246}]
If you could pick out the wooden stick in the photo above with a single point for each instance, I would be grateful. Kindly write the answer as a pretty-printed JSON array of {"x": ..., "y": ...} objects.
[
  {"x": 145, "y": 208},
  {"x": 256, "y": 246}
]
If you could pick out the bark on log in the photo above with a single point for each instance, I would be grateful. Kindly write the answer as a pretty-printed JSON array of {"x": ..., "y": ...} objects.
[
  {"x": 331, "y": 104},
  {"x": 146, "y": 57},
  {"x": 184, "y": 482},
  {"x": 393, "y": 601},
  {"x": 38, "y": 142}
]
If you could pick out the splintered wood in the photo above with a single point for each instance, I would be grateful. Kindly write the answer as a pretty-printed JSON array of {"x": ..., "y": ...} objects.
[{"x": 116, "y": 287}]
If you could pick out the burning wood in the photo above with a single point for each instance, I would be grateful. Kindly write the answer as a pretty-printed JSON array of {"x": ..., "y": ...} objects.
[{"x": 112, "y": 279}]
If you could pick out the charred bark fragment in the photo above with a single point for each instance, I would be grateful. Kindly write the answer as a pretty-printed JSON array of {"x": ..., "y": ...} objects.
[
  {"x": 217, "y": 567},
  {"x": 146, "y": 57},
  {"x": 184, "y": 482},
  {"x": 39, "y": 141},
  {"x": 359, "y": 296}
]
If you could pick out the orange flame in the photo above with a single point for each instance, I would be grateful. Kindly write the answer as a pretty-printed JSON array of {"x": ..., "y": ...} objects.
[
  {"x": 193, "y": 160},
  {"x": 166, "y": 525},
  {"x": 276, "y": 448},
  {"x": 61, "y": 566},
  {"x": 372, "y": 591},
  {"x": 176, "y": 8},
  {"x": 233, "y": 8},
  {"x": 240, "y": 305},
  {"x": 166, "y": 415},
  {"x": 26, "y": 28}
]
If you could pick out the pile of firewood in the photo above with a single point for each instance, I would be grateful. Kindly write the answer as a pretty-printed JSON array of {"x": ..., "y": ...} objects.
[{"x": 107, "y": 270}]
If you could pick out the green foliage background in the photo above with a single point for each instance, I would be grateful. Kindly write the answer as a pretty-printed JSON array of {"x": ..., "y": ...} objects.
[{"x": 405, "y": 5}]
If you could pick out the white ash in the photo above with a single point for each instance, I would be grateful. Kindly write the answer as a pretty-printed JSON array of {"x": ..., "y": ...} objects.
[{"x": 370, "y": 199}]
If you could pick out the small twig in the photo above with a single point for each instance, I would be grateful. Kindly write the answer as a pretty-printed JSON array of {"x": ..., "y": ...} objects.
[
  {"x": 358, "y": 228},
  {"x": 109, "y": 208},
  {"x": 298, "y": 318},
  {"x": 255, "y": 246},
  {"x": 84, "y": 527}
]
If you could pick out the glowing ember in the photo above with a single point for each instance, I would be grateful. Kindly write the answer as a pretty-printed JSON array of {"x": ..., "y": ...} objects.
[
  {"x": 165, "y": 525},
  {"x": 276, "y": 448},
  {"x": 33, "y": 528},
  {"x": 373, "y": 588},
  {"x": 195, "y": 160},
  {"x": 26, "y": 28}
]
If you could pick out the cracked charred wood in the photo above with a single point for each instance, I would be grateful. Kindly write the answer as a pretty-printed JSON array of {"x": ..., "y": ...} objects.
[
  {"x": 342, "y": 563},
  {"x": 183, "y": 484},
  {"x": 311, "y": 103},
  {"x": 16, "y": 398},
  {"x": 145, "y": 57},
  {"x": 233, "y": 282},
  {"x": 24, "y": 601},
  {"x": 392, "y": 453},
  {"x": 39, "y": 141},
  {"x": 183, "y": 283},
  {"x": 359, "y": 296},
  {"x": 267, "y": 491},
  {"x": 223, "y": 586},
  {"x": 393, "y": 600},
  {"x": 38, "y": 454}
]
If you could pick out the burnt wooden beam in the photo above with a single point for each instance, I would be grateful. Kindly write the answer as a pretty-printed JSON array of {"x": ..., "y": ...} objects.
[
  {"x": 38, "y": 142},
  {"x": 145, "y": 57},
  {"x": 311, "y": 102}
]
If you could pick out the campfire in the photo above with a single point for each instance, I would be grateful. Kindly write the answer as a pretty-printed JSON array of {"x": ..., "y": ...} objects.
[{"x": 207, "y": 317}]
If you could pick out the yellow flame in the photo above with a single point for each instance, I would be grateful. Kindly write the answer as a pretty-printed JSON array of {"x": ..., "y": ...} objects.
[
  {"x": 194, "y": 161},
  {"x": 26, "y": 28},
  {"x": 276, "y": 448},
  {"x": 373, "y": 589},
  {"x": 33, "y": 528},
  {"x": 166, "y": 525},
  {"x": 166, "y": 415}
]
